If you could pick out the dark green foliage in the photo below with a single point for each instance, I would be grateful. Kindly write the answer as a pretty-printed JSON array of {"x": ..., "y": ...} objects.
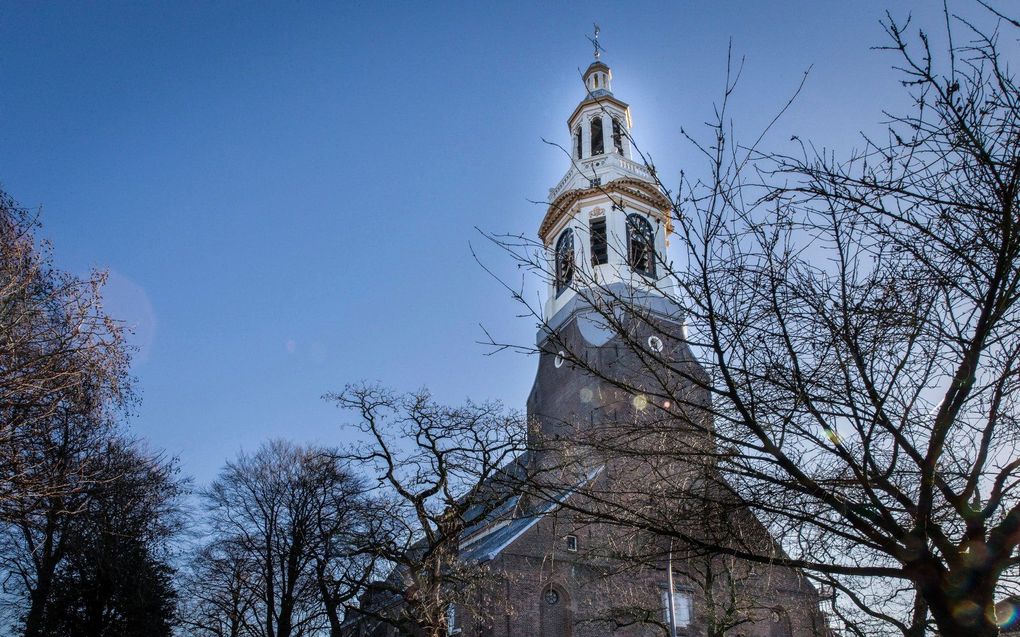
[
  {"x": 113, "y": 578},
  {"x": 113, "y": 587}
]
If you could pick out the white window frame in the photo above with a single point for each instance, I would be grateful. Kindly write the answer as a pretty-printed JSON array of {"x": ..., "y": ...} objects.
[
  {"x": 451, "y": 620},
  {"x": 683, "y": 606}
]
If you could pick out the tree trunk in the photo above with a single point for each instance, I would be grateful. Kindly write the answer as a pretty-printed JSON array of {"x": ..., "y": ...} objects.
[
  {"x": 955, "y": 628},
  {"x": 328, "y": 601},
  {"x": 95, "y": 614},
  {"x": 46, "y": 567},
  {"x": 959, "y": 616},
  {"x": 284, "y": 624},
  {"x": 270, "y": 594},
  {"x": 291, "y": 571},
  {"x": 918, "y": 618},
  {"x": 37, "y": 604}
]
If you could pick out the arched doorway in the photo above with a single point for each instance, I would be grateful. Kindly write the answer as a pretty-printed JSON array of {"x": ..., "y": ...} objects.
[{"x": 554, "y": 612}]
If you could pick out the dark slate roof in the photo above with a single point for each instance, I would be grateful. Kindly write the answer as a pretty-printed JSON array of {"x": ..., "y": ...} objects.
[
  {"x": 496, "y": 514},
  {"x": 503, "y": 530},
  {"x": 510, "y": 474},
  {"x": 489, "y": 547}
]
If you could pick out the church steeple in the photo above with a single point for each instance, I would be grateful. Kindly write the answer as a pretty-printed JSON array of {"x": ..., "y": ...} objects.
[
  {"x": 605, "y": 235},
  {"x": 607, "y": 221}
]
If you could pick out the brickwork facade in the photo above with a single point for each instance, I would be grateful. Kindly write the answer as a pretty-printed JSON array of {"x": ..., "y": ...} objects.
[
  {"x": 606, "y": 580},
  {"x": 594, "y": 596}
]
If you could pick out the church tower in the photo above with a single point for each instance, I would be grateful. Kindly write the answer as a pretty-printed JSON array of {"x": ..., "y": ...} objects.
[
  {"x": 610, "y": 319},
  {"x": 616, "y": 378}
]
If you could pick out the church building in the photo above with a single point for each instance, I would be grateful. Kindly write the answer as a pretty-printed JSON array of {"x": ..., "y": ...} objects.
[{"x": 556, "y": 570}]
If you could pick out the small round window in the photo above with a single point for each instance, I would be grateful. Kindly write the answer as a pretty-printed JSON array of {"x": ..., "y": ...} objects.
[
  {"x": 655, "y": 343},
  {"x": 551, "y": 597},
  {"x": 558, "y": 361}
]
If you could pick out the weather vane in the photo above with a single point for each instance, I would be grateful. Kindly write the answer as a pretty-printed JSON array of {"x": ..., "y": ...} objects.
[{"x": 595, "y": 42}]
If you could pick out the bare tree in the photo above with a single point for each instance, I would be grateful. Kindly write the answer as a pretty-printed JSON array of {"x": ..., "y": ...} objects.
[
  {"x": 281, "y": 520},
  {"x": 857, "y": 320},
  {"x": 438, "y": 471},
  {"x": 221, "y": 582},
  {"x": 346, "y": 524}
]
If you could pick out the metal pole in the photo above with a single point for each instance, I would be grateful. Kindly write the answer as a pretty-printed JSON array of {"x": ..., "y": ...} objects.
[{"x": 672, "y": 605}]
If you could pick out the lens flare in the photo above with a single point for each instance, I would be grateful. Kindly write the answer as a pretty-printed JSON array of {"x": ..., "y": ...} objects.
[
  {"x": 966, "y": 612},
  {"x": 640, "y": 402},
  {"x": 1006, "y": 613},
  {"x": 586, "y": 394}
]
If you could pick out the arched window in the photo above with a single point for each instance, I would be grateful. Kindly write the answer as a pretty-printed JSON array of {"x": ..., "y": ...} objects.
[
  {"x": 577, "y": 142},
  {"x": 564, "y": 260},
  {"x": 617, "y": 136},
  {"x": 640, "y": 245},
  {"x": 596, "y": 136}
]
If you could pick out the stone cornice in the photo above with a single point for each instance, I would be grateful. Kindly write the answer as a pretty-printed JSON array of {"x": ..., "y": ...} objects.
[
  {"x": 638, "y": 189},
  {"x": 598, "y": 101}
]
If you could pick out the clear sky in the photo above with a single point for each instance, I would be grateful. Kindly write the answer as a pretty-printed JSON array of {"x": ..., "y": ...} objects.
[{"x": 285, "y": 194}]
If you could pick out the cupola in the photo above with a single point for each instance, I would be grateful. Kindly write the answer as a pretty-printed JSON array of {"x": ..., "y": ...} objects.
[{"x": 598, "y": 78}]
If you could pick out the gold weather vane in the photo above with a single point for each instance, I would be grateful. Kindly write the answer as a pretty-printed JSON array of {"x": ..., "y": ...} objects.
[{"x": 595, "y": 42}]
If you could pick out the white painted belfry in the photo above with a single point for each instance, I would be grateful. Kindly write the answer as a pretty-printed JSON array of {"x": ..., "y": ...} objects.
[
  {"x": 598, "y": 77},
  {"x": 607, "y": 133},
  {"x": 595, "y": 186}
]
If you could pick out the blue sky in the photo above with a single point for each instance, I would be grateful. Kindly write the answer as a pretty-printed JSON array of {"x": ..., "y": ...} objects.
[{"x": 285, "y": 194}]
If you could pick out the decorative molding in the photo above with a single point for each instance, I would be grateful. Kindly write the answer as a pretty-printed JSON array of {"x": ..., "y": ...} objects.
[
  {"x": 641, "y": 190},
  {"x": 606, "y": 102}
]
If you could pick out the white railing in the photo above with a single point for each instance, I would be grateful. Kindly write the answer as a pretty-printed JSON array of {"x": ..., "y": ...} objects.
[
  {"x": 555, "y": 190},
  {"x": 596, "y": 166},
  {"x": 633, "y": 166}
]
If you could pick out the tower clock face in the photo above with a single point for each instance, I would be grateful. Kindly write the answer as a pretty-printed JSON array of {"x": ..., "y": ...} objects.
[{"x": 594, "y": 328}]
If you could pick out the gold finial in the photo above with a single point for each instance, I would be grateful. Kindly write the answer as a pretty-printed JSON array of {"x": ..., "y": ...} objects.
[{"x": 595, "y": 42}]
